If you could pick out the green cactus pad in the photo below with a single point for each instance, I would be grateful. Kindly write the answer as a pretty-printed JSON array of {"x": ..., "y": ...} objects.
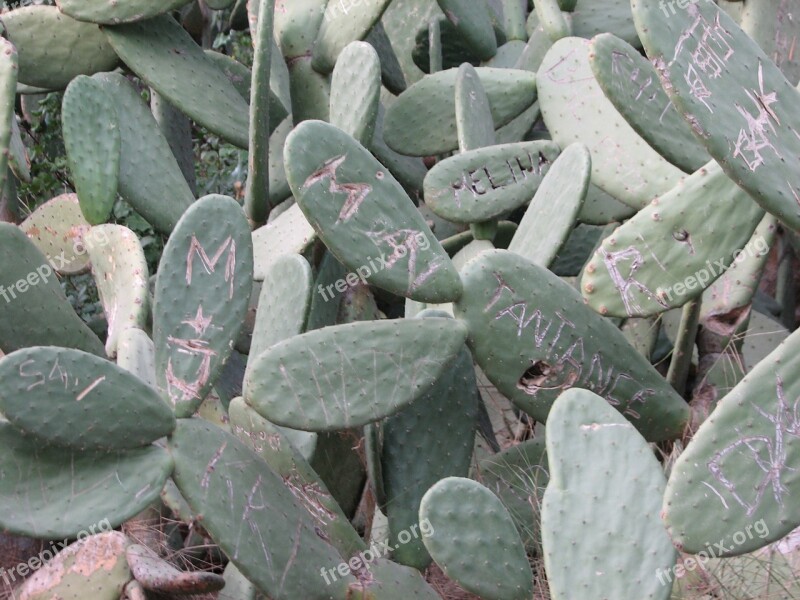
[
  {"x": 342, "y": 26},
  {"x": 356, "y": 91},
  {"x": 473, "y": 20},
  {"x": 54, "y": 48},
  {"x": 738, "y": 102},
  {"x": 287, "y": 383},
  {"x": 339, "y": 463},
  {"x": 283, "y": 303},
  {"x": 273, "y": 444},
  {"x": 673, "y": 249},
  {"x": 389, "y": 581},
  {"x": 35, "y": 310},
  {"x": 737, "y": 286},
  {"x": 310, "y": 91},
  {"x": 177, "y": 129},
  {"x": 113, "y": 13},
  {"x": 738, "y": 468},
  {"x": 137, "y": 354},
  {"x": 165, "y": 56},
  {"x": 363, "y": 215},
  {"x": 552, "y": 213},
  {"x": 263, "y": 527},
  {"x": 483, "y": 184},
  {"x": 422, "y": 121},
  {"x": 431, "y": 439},
  {"x": 631, "y": 83},
  {"x": 58, "y": 229},
  {"x": 772, "y": 25},
  {"x": 474, "y": 120},
  {"x": 297, "y": 23},
  {"x": 578, "y": 249},
  {"x": 519, "y": 127},
  {"x": 93, "y": 567},
  {"x": 202, "y": 293},
  {"x": 150, "y": 178},
  {"x": 51, "y": 493},
  {"x": 289, "y": 233},
  {"x": 119, "y": 268},
  {"x": 575, "y": 109},
  {"x": 601, "y": 530},
  {"x": 600, "y": 208},
  {"x": 552, "y": 341},
  {"x": 410, "y": 171},
  {"x": 591, "y": 17},
  {"x": 474, "y": 540},
  {"x": 554, "y": 23},
  {"x": 238, "y": 74},
  {"x": 77, "y": 400},
  {"x": 519, "y": 476},
  {"x": 92, "y": 139}
]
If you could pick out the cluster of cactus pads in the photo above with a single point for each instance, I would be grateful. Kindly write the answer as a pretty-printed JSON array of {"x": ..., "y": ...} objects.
[{"x": 456, "y": 212}]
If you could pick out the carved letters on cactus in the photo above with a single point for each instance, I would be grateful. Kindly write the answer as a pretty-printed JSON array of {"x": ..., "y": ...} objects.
[
  {"x": 202, "y": 294},
  {"x": 546, "y": 329},
  {"x": 769, "y": 453},
  {"x": 357, "y": 207}
]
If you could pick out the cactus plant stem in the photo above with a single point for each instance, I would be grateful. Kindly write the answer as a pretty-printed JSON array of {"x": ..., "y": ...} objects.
[
  {"x": 682, "y": 354},
  {"x": 435, "y": 42},
  {"x": 256, "y": 201}
]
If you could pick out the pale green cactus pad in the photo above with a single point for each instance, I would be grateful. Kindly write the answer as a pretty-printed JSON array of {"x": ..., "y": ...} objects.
[
  {"x": 576, "y": 110},
  {"x": 600, "y": 513},
  {"x": 737, "y": 470},
  {"x": 553, "y": 212},
  {"x": 303, "y": 383},
  {"x": 460, "y": 514},
  {"x": 740, "y": 105},
  {"x": 423, "y": 120}
]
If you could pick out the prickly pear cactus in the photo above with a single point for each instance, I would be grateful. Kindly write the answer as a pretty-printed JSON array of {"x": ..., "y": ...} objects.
[
  {"x": 605, "y": 484},
  {"x": 446, "y": 253}
]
